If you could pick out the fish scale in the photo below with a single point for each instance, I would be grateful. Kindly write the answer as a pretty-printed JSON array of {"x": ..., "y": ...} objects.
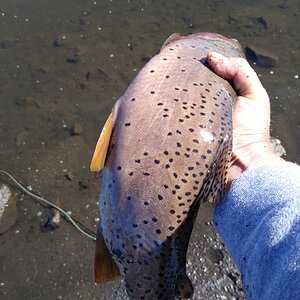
[{"x": 169, "y": 150}]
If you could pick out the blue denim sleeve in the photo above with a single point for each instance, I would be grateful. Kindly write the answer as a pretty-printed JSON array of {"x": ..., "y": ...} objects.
[{"x": 259, "y": 222}]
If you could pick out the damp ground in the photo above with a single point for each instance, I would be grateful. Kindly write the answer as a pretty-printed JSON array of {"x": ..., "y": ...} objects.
[{"x": 63, "y": 64}]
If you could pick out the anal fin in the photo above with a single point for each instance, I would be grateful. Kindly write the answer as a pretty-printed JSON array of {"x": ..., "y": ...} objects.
[{"x": 105, "y": 268}]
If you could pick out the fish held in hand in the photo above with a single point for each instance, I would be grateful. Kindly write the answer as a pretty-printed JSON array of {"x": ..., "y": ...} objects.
[{"x": 164, "y": 149}]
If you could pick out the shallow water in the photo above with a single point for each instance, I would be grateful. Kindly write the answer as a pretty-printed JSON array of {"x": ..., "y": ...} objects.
[{"x": 64, "y": 63}]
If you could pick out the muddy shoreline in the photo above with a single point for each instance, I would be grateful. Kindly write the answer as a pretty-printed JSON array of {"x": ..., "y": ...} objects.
[{"x": 62, "y": 65}]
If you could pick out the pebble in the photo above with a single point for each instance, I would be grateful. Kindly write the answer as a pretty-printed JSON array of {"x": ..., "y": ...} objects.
[
  {"x": 76, "y": 129},
  {"x": 61, "y": 40},
  {"x": 8, "y": 209},
  {"x": 70, "y": 176},
  {"x": 277, "y": 147},
  {"x": 97, "y": 74},
  {"x": 261, "y": 56}
]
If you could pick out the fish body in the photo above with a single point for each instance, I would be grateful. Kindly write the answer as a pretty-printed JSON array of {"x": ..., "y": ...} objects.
[{"x": 169, "y": 146}]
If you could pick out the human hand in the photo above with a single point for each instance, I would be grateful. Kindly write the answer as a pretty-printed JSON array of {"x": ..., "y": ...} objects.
[{"x": 251, "y": 115}]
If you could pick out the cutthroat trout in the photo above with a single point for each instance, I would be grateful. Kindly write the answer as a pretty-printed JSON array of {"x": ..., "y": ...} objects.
[{"x": 164, "y": 149}]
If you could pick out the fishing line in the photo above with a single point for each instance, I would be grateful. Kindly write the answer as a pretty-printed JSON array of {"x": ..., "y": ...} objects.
[{"x": 70, "y": 219}]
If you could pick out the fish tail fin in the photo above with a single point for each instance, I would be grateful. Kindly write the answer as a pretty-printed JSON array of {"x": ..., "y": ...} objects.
[
  {"x": 101, "y": 148},
  {"x": 105, "y": 268}
]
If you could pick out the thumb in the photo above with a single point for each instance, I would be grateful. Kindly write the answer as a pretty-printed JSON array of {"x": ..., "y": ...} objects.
[{"x": 244, "y": 79}]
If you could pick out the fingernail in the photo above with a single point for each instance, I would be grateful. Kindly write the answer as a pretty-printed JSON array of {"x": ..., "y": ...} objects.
[{"x": 216, "y": 56}]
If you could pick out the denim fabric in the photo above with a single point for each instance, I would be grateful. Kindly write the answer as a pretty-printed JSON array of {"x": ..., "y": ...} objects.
[{"x": 259, "y": 222}]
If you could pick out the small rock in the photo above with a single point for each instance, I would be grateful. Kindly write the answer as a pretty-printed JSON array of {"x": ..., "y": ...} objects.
[
  {"x": 283, "y": 5},
  {"x": 263, "y": 22},
  {"x": 52, "y": 222},
  {"x": 8, "y": 209},
  {"x": 215, "y": 255},
  {"x": 262, "y": 57},
  {"x": 145, "y": 58},
  {"x": 277, "y": 147},
  {"x": 61, "y": 40},
  {"x": 97, "y": 74},
  {"x": 75, "y": 57},
  {"x": 72, "y": 59},
  {"x": 84, "y": 21},
  {"x": 82, "y": 185},
  {"x": 76, "y": 129},
  {"x": 70, "y": 176}
]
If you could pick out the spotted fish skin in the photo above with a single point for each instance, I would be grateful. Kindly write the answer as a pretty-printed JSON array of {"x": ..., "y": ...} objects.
[{"x": 169, "y": 151}]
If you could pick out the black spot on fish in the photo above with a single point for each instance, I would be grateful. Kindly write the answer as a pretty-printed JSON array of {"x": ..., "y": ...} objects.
[
  {"x": 152, "y": 92},
  {"x": 127, "y": 124},
  {"x": 160, "y": 104}
]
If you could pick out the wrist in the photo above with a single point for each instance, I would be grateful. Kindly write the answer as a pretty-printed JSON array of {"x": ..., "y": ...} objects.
[{"x": 251, "y": 157}]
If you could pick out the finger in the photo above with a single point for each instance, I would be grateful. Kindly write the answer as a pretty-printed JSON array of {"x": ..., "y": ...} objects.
[{"x": 245, "y": 80}]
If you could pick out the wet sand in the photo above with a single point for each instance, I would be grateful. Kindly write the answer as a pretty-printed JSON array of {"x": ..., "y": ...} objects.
[{"x": 66, "y": 62}]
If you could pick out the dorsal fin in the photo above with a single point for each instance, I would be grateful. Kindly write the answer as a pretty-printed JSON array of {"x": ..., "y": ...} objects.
[
  {"x": 172, "y": 38},
  {"x": 105, "y": 268},
  {"x": 101, "y": 148}
]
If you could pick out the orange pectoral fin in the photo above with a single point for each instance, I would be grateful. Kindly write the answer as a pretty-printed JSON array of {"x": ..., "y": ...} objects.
[
  {"x": 100, "y": 152},
  {"x": 105, "y": 268}
]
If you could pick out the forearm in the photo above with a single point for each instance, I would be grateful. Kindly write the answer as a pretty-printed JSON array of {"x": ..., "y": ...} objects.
[{"x": 259, "y": 221}]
